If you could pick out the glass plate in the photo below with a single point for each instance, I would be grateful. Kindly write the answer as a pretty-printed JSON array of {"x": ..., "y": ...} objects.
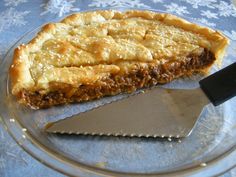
[{"x": 210, "y": 149}]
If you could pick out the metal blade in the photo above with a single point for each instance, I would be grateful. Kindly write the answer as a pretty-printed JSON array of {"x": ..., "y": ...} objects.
[{"x": 158, "y": 112}]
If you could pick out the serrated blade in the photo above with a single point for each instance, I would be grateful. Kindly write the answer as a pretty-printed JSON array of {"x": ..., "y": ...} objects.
[{"x": 158, "y": 112}]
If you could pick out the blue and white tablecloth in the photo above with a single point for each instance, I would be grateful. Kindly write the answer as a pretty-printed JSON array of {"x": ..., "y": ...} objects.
[{"x": 19, "y": 16}]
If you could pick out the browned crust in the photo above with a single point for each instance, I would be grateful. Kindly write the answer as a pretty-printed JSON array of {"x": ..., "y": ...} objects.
[{"x": 116, "y": 84}]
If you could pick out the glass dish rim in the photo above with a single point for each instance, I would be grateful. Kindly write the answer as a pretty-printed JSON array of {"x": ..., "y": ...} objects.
[{"x": 51, "y": 155}]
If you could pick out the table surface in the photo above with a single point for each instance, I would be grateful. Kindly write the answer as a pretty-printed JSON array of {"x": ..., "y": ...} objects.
[{"x": 19, "y": 16}]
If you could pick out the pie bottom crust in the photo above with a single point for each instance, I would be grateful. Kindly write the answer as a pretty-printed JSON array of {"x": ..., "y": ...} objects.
[{"x": 115, "y": 84}]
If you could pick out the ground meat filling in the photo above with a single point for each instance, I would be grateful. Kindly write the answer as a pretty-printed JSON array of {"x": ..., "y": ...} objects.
[{"x": 116, "y": 84}]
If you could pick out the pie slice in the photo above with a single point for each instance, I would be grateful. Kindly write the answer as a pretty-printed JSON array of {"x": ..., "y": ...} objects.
[{"x": 94, "y": 54}]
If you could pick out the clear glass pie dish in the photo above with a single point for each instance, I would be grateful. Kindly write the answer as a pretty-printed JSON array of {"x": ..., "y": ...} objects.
[{"x": 210, "y": 149}]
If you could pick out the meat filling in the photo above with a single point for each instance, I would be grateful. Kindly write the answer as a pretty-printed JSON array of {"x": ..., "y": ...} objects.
[{"x": 115, "y": 84}]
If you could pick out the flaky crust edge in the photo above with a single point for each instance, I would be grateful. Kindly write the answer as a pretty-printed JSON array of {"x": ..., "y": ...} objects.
[{"x": 19, "y": 70}]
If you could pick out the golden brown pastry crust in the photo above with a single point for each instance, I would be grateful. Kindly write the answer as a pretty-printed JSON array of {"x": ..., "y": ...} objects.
[{"x": 22, "y": 78}]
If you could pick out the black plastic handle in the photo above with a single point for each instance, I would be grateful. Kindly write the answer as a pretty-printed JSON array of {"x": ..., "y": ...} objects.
[{"x": 220, "y": 86}]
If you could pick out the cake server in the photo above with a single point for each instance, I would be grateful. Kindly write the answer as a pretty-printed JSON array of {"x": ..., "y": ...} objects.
[{"x": 158, "y": 112}]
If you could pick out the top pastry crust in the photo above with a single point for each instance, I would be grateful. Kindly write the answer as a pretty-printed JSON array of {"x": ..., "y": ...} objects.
[{"x": 88, "y": 46}]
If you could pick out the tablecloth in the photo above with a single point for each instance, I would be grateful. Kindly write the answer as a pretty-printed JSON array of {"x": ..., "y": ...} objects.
[{"x": 19, "y": 16}]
